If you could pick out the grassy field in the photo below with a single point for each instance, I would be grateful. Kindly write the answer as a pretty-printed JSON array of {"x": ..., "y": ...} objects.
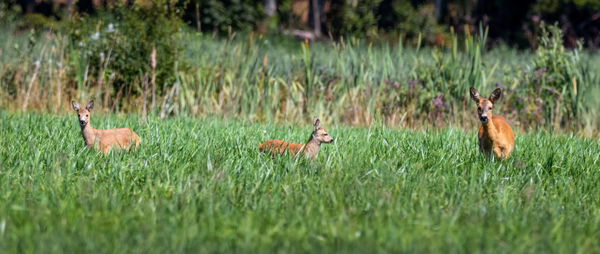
[{"x": 201, "y": 186}]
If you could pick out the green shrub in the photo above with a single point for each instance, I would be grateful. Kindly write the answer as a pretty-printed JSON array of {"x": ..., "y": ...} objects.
[
  {"x": 9, "y": 13},
  {"x": 351, "y": 18},
  {"x": 224, "y": 15},
  {"x": 554, "y": 80},
  {"x": 385, "y": 20},
  {"x": 122, "y": 39}
]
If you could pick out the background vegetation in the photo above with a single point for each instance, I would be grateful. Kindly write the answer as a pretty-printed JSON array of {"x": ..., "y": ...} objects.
[
  {"x": 405, "y": 63},
  {"x": 513, "y": 22},
  {"x": 169, "y": 70}
]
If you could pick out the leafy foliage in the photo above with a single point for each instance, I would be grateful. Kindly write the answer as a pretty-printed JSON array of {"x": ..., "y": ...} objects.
[
  {"x": 122, "y": 40},
  {"x": 224, "y": 16},
  {"x": 353, "y": 18}
]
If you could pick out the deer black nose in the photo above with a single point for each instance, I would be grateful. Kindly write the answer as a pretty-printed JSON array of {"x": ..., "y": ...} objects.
[
  {"x": 82, "y": 122},
  {"x": 483, "y": 119}
]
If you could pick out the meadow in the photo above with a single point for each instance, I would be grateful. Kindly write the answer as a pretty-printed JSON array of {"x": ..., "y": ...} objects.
[
  {"x": 200, "y": 185},
  {"x": 403, "y": 175}
]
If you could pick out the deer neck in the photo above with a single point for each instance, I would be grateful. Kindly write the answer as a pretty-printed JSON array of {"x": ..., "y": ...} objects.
[
  {"x": 89, "y": 134},
  {"x": 490, "y": 130},
  {"x": 311, "y": 149}
]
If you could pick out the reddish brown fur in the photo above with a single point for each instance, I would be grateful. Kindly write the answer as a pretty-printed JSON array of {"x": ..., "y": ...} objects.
[
  {"x": 495, "y": 135},
  {"x": 104, "y": 140},
  {"x": 279, "y": 147},
  {"x": 310, "y": 149}
]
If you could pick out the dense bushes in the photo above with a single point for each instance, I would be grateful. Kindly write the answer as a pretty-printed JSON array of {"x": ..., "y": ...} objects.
[
  {"x": 417, "y": 21},
  {"x": 223, "y": 15},
  {"x": 117, "y": 46},
  {"x": 385, "y": 20}
]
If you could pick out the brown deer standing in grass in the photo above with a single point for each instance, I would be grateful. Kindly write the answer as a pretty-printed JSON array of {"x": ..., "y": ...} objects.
[
  {"x": 495, "y": 135},
  {"x": 104, "y": 140},
  {"x": 310, "y": 149}
]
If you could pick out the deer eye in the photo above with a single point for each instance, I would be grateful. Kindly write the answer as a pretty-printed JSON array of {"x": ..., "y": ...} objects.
[
  {"x": 87, "y": 115},
  {"x": 325, "y": 134},
  {"x": 479, "y": 108}
]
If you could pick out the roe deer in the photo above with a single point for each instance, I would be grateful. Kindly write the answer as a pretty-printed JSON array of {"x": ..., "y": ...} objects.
[
  {"x": 310, "y": 149},
  {"x": 495, "y": 135},
  {"x": 103, "y": 140}
]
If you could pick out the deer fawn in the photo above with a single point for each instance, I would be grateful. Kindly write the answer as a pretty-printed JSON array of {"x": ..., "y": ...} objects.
[
  {"x": 310, "y": 149},
  {"x": 103, "y": 139},
  {"x": 495, "y": 135}
]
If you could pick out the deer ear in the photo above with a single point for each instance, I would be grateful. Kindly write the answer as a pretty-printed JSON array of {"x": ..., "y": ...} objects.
[
  {"x": 475, "y": 95},
  {"x": 90, "y": 105},
  {"x": 496, "y": 94},
  {"x": 316, "y": 123},
  {"x": 75, "y": 106}
]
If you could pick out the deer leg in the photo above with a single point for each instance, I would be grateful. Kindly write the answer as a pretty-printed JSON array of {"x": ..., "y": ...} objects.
[{"x": 499, "y": 153}]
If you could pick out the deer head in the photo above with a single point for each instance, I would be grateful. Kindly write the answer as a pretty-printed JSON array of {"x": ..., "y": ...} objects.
[
  {"x": 83, "y": 114},
  {"x": 485, "y": 106},
  {"x": 319, "y": 134}
]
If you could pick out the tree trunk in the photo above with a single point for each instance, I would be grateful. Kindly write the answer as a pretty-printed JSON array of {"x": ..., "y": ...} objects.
[
  {"x": 270, "y": 7},
  {"x": 314, "y": 14},
  {"x": 198, "y": 24},
  {"x": 439, "y": 9},
  {"x": 68, "y": 9}
]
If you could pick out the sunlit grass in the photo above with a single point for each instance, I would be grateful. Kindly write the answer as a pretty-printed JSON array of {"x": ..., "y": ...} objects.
[{"x": 201, "y": 185}]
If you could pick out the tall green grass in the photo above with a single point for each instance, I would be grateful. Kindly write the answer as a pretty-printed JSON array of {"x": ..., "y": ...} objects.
[
  {"x": 201, "y": 186},
  {"x": 347, "y": 81}
]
